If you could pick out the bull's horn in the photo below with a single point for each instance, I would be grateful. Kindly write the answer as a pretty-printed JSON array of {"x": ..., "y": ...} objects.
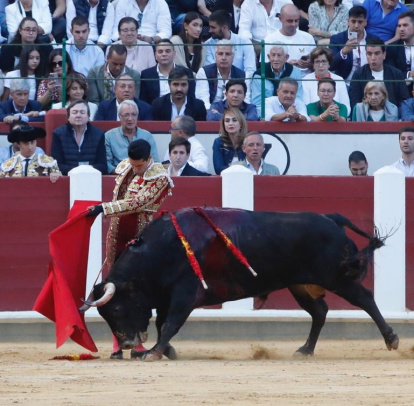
[
  {"x": 109, "y": 289},
  {"x": 85, "y": 307}
]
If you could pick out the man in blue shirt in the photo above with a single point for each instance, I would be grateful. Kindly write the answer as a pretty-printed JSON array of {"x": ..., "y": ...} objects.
[
  {"x": 84, "y": 54},
  {"x": 236, "y": 90},
  {"x": 118, "y": 139},
  {"x": 382, "y": 16},
  {"x": 276, "y": 69},
  {"x": 244, "y": 55}
]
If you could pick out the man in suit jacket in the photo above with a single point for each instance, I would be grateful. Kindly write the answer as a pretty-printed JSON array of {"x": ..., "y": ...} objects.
[
  {"x": 154, "y": 81},
  {"x": 179, "y": 151},
  {"x": 348, "y": 51},
  {"x": 399, "y": 53},
  {"x": 101, "y": 79},
  {"x": 376, "y": 69},
  {"x": 19, "y": 107},
  {"x": 178, "y": 102},
  {"x": 254, "y": 147},
  {"x": 124, "y": 90}
]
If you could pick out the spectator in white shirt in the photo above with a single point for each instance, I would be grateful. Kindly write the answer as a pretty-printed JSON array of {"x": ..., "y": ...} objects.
[
  {"x": 212, "y": 79},
  {"x": 300, "y": 43},
  {"x": 100, "y": 15},
  {"x": 244, "y": 56},
  {"x": 83, "y": 52},
  {"x": 259, "y": 18},
  {"x": 406, "y": 162},
  {"x": 185, "y": 126},
  {"x": 285, "y": 106},
  {"x": 154, "y": 18},
  {"x": 37, "y": 9},
  {"x": 140, "y": 55}
]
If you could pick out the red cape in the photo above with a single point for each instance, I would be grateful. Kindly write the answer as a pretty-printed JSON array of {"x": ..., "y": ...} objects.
[{"x": 65, "y": 286}]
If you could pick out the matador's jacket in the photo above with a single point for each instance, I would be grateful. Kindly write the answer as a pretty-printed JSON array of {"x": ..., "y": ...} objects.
[
  {"x": 136, "y": 199},
  {"x": 41, "y": 165}
]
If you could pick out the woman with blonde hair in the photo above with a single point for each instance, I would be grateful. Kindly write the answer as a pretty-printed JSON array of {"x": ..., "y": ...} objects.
[
  {"x": 375, "y": 106},
  {"x": 227, "y": 148}
]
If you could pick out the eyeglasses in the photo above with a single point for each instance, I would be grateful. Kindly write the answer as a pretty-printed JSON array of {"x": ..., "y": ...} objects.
[
  {"x": 127, "y": 30},
  {"x": 129, "y": 115},
  {"x": 174, "y": 129},
  {"x": 329, "y": 91},
  {"x": 55, "y": 64},
  {"x": 321, "y": 62}
]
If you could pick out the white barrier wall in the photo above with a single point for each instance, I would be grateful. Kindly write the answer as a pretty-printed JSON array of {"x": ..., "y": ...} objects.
[
  {"x": 389, "y": 214},
  {"x": 314, "y": 154}
]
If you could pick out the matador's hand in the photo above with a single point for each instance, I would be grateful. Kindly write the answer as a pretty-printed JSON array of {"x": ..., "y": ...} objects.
[{"x": 95, "y": 211}]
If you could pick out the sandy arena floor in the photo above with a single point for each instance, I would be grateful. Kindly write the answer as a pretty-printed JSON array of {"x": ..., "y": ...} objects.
[{"x": 342, "y": 372}]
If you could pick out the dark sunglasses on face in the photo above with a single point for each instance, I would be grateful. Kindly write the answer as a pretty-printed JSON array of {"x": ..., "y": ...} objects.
[{"x": 55, "y": 64}]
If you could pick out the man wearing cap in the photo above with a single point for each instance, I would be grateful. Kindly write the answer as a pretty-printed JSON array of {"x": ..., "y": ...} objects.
[
  {"x": 27, "y": 162},
  {"x": 19, "y": 107}
]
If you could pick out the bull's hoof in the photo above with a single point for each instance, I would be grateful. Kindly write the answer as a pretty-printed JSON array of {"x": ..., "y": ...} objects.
[
  {"x": 151, "y": 357},
  {"x": 392, "y": 342},
  {"x": 117, "y": 355},
  {"x": 170, "y": 353},
  {"x": 138, "y": 354},
  {"x": 303, "y": 352}
]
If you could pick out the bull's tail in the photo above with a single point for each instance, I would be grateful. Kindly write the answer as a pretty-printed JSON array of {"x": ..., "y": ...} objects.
[{"x": 357, "y": 264}]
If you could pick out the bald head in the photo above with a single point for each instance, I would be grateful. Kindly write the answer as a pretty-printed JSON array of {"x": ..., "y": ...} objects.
[{"x": 289, "y": 17}]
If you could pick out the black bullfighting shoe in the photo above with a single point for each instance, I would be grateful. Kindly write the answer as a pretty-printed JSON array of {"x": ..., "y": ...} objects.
[{"x": 117, "y": 355}]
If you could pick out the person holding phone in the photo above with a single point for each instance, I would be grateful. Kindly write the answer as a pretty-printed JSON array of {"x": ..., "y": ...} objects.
[
  {"x": 348, "y": 46},
  {"x": 50, "y": 90}
]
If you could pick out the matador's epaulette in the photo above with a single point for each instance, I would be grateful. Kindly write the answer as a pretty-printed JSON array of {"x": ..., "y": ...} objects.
[
  {"x": 122, "y": 166},
  {"x": 9, "y": 164},
  {"x": 46, "y": 161}
]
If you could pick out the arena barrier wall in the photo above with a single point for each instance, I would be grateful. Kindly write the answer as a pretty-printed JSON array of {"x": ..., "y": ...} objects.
[{"x": 31, "y": 208}]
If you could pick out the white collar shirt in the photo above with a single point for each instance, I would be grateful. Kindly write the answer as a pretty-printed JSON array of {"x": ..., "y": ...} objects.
[
  {"x": 402, "y": 165},
  {"x": 164, "y": 87},
  {"x": 251, "y": 168},
  {"x": 174, "y": 111}
]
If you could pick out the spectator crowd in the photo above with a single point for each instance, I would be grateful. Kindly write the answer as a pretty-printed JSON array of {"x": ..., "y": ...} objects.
[{"x": 202, "y": 60}]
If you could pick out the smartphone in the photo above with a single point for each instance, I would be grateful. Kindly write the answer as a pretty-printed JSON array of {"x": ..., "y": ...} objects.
[
  {"x": 54, "y": 75},
  {"x": 353, "y": 35}
]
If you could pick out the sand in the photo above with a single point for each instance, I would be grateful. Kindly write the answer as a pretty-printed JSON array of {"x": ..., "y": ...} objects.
[{"x": 342, "y": 372}]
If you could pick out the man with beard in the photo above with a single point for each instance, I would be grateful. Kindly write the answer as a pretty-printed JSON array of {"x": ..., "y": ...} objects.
[
  {"x": 244, "y": 56},
  {"x": 178, "y": 102},
  {"x": 406, "y": 162},
  {"x": 285, "y": 106},
  {"x": 358, "y": 164}
]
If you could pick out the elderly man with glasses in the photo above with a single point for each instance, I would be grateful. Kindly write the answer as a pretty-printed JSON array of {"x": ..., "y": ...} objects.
[{"x": 118, "y": 139}]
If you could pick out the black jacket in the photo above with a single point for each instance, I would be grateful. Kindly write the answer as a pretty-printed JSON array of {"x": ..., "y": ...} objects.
[
  {"x": 191, "y": 171},
  {"x": 162, "y": 108},
  {"x": 393, "y": 80},
  {"x": 68, "y": 154},
  {"x": 150, "y": 84},
  {"x": 107, "y": 111}
]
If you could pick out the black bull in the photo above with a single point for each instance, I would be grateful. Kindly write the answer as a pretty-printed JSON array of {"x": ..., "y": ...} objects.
[{"x": 287, "y": 250}]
